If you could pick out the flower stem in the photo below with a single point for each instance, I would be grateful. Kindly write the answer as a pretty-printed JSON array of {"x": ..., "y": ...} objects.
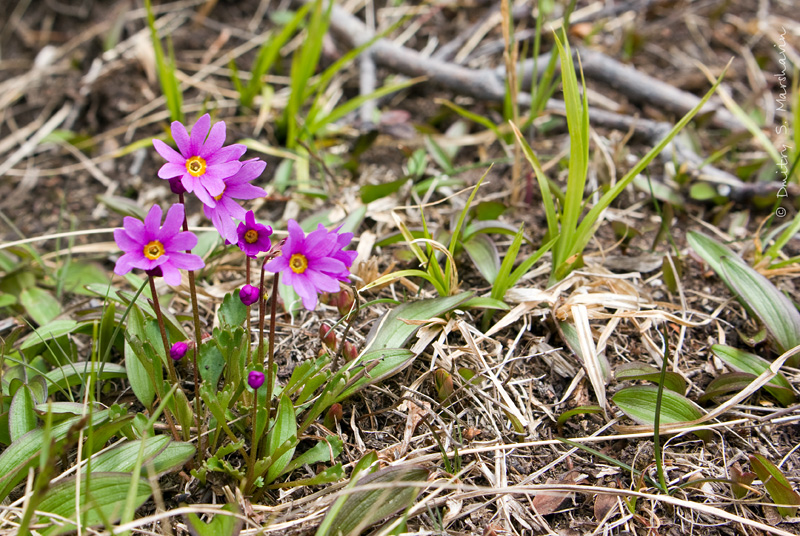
[
  {"x": 198, "y": 337},
  {"x": 173, "y": 376},
  {"x": 261, "y": 313},
  {"x": 273, "y": 314},
  {"x": 249, "y": 321}
]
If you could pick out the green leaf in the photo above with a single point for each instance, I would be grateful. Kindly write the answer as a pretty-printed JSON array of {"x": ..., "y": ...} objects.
[
  {"x": 376, "y": 366},
  {"x": 484, "y": 255},
  {"x": 220, "y": 524},
  {"x": 778, "y": 487},
  {"x": 328, "y": 475},
  {"x": 210, "y": 363},
  {"x": 232, "y": 312},
  {"x": 77, "y": 275},
  {"x": 123, "y": 206},
  {"x": 712, "y": 251},
  {"x": 640, "y": 371},
  {"x": 75, "y": 373},
  {"x": 580, "y": 410},
  {"x": 770, "y": 305},
  {"x": 639, "y": 403},
  {"x": 373, "y": 192},
  {"x": 24, "y": 452},
  {"x": 354, "y": 512},
  {"x": 485, "y": 303},
  {"x": 40, "y": 305},
  {"x": 725, "y": 384},
  {"x": 392, "y": 332},
  {"x": 21, "y": 415},
  {"x": 165, "y": 455},
  {"x": 102, "y": 496},
  {"x": 323, "y": 452},
  {"x": 285, "y": 429},
  {"x": 739, "y": 360},
  {"x": 138, "y": 377}
]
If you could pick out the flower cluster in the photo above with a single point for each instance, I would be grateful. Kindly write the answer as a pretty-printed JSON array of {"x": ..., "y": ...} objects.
[{"x": 203, "y": 165}]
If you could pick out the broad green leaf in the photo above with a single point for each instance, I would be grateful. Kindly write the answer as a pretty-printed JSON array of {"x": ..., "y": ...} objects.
[
  {"x": 62, "y": 409},
  {"x": 35, "y": 341},
  {"x": 140, "y": 380},
  {"x": 326, "y": 476},
  {"x": 641, "y": 371},
  {"x": 484, "y": 255},
  {"x": 392, "y": 332},
  {"x": 75, "y": 373},
  {"x": 580, "y": 410},
  {"x": 373, "y": 192},
  {"x": 778, "y": 486},
  {"x": 164, "y": 454},
  {"x": 40, "y": 305},
  {"x": 639, "y": 403},
  {"x": 321, "y": 452},
  {"x": 102, "y": 496},
  {"x": 732, "y": 382},
  {"x": 741, "y": 480},
  {"x": 712, "y": 251},
  {"x": 232, "y": 312},
  {"x": 379, "y": 364},
  {"x": 220, "y": 525},
  {"x": 485, "y": 303},
  {"x": 353, "y": 513},
  {"x": 779, "y": 386},
  {"x": 769, "y": 304},
  {"x": 285, "y": 428},
  {"x": 210, "y": 363},
  {"x": 21, "y": 414},
  {"x": 76, "y": 275},
  {"x": 24, "y": 452}
]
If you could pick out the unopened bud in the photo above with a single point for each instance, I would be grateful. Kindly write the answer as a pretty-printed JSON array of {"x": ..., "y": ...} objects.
[
  {"x": 176, "y": 186},
  {"x": 349, "y": 351},
  {"x": 344, "y": 301},
  {"x": 328, "y": 336},
  {"x": 333, "y": 416},
  {"x": 444, "y": 384},
  {"x": 255, "y": 379},
  {"x": 249, "y": 294},
  {"x": 178, "y": 350}
]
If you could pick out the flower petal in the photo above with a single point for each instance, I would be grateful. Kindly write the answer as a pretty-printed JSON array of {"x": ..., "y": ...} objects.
[
  {"x": 169, "y": 154},
  {"x": 251, "y": 169},
  {"x": 321, "y": 281},
  {"x": 170, "y": 170},
  {"x": 181, "y": 138},
  {"x": 327, "y": 264},
  {"x": 221, "y": 171},
  {"x": 135, "y": 229},
  {"x": 199, "y": 133},
  {"x": 170, "y": 273},
  {"x": 186, "y": 261},
  {"x": 128, "y": 262},
  {"x": 213, "y": 185},
  {"x": 202, "y": 195},
  {"x": 125, "y": 242},
  {"x": 152, "y": 223},
  {"x": 319, "y": 243},
  {"x": 215, "y": 140},
  {"x": 306, "y": 290},
  {"x": 245, "y": 191},
  {"x": 227, "y": 154},
  {"x": 277, "y": 264},
  {"x": 182, "y": 241},
  {"x": 173, "y": 222}
]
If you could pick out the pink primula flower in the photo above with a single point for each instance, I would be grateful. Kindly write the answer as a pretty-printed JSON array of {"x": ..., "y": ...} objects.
[
  {"x": 309, "y": 263},
  {"x": 253, "y": 237},
  {"x": 235, "y": 187},
  {"x": 202, "y": 162},
  {"x": 157, "y": 250}
]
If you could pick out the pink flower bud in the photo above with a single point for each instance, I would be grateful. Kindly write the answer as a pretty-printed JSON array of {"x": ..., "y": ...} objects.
[
  {"x": 178, "y": 350},
  {"x": 344, "y": 301},
  {"x": 328, "y": 336},
  {"x": 333, "y": 416},
  {"x": 349, "y": 351},
  {"x": 255, "y": 379},
  {"x": 249, "y": 294}
]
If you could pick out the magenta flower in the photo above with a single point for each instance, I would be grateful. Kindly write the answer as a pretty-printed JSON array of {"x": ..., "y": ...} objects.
[
  {"x": 202, "y": 162},
  {"x": 157, "y": 249},
  {"x": 339, "y": 253},
  {"x": 253, "y": 237},
  {"x": 255, "y": 379},
  {"x": 249, "y": 294},
  {"x": 308, "y": 263},
  {"x": 235, "y": 187}
]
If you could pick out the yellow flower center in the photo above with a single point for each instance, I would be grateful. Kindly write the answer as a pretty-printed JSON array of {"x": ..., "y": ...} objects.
[
  {"x": 154, "y": 250},
  {"x": 251, "y": 236},
  {"x": 298, "y": 263},
  {"x": 196, "y": 166}
]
